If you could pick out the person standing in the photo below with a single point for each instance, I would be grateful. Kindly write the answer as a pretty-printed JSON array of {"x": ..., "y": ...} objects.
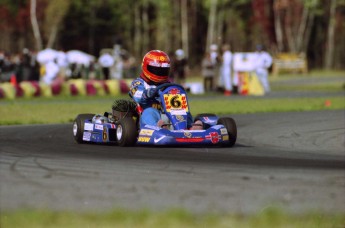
[
  {"x": 179, "y": 67},
  {"x": 214, "y": 54},
  {"x": 51, "y": 72},
  {"x": 106, "y": 61},
  {"x": 26, "y": 64},
  {"x": 263, "y": 62},
  {"x": 62, "y": 62},
  {"x": 208, "y": 72},
  {"x": 225, "y": 70}
]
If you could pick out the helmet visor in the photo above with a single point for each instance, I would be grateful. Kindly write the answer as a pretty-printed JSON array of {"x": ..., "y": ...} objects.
[{"x": 159, "y": 71}]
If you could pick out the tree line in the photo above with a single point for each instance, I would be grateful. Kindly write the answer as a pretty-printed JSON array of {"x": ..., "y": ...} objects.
[{"x": 312, "y": 27}]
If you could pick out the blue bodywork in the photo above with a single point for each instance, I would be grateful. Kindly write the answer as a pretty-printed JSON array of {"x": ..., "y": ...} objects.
[
  {"x": 99, "y": 133},
  {"x": 176, "y": 108}
]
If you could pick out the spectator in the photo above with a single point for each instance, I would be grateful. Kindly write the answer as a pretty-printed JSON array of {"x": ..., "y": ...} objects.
[
  {"x": 106, "y": 61},
  {"x": 214, "y": 54},
  {"x": 7, "y": 67},
  {"x": 62, "y": 62},
  {"x": 208, "y": 72},
  {"x": 51, "y": 72},
  {"x": 35, "y": 67},
  {"x": 179, "y": 67},
  {"x": 225, "y": 70},
  {"x": 25, "y": 64},
  {"x": 263, "y": 62}
]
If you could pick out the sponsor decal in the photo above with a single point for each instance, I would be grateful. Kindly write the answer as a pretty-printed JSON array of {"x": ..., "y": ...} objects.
[
  {"x": 225, "y": 137},
  {"x": 146, "y": 132},
  {"x": 197, "y": 130},
  {"x": 88, "y": 126},
  {"x": 159, "y": 58},
  {"x": 190, "y": 140},
  {"x": 175, "y": 102},
  {"x": 214, "y": 137},
  {"x": 180, "y": 118},
  {"x": 187, "y": 134},
  {"x": 134, "y": 90},
  {"x": 208, "y": 120},
  {"x": 98, "y": 127},
  {"x": 156, "y": 140},
  {"x": 157, "y": 64},
  {"x": 223, "y": 131},
  {"x": 178, "y": 112},
  {"x": 144, "y": 139},
  {"x": 217, "y": 127},
  {"x": 86, "y": 136},
  {"x": 138, "y": 94},
  {"x": 105, "y": 134},
  {"x": 156, "y": 106},
  {"x": 174, "y": 91}
]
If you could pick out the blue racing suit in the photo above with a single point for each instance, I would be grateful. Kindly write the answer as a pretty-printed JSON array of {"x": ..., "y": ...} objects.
[{"x": 141, "y": 91}]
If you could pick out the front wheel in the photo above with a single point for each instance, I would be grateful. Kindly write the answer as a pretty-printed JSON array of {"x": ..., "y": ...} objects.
[
  {"x": 126, "y": 132},
  {"x": 230, "y": 125},
  {"x": 78, "y": 126}
]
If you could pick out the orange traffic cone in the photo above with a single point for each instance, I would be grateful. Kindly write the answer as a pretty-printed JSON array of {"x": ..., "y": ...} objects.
[{"x": 328, "y": 103}]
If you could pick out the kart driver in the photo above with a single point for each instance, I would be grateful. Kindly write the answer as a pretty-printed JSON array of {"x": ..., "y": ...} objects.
[{"x": 155, "y": 69}]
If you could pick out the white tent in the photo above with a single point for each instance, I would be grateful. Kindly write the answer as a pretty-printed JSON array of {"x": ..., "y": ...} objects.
[
  {"x": 79, "y": 57},
  {"x": 46, "y": 55}
]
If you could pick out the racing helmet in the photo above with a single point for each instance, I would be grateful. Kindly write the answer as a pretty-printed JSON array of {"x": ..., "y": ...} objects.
[{"x": 155, "y": 67}]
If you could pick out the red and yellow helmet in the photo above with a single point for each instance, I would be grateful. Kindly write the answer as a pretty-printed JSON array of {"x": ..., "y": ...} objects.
[{"x": 155, "y": 67}]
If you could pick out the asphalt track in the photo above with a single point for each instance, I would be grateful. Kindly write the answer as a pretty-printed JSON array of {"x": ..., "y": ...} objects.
[{"x": 293, "y": 161}]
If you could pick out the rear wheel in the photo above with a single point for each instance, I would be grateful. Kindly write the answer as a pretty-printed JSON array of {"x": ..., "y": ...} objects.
[
  {"x": 126, "y": 132},
  {"x": 230, "y": 125},
  {"x": 78, "y": 126}
]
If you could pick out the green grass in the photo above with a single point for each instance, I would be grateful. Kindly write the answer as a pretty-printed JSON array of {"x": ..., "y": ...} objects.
[
  {"x": 172, "y": 218},
  {"x": 326, "y": 87},
  {"x": 65, "y": 109}
]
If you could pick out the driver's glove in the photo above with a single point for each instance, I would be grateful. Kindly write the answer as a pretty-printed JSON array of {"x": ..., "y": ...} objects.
[{"x": 149, "y": 92}]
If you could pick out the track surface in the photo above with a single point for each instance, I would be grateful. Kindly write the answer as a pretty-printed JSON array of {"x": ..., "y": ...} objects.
[{"x": 293, "y": 161}]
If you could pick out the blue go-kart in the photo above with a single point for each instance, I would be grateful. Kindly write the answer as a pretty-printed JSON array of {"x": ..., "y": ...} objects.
[{"x": 121, "y": 125}]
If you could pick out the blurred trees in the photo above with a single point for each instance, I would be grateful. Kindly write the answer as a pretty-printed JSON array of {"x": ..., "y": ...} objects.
[{"x": 313, "y": 27}]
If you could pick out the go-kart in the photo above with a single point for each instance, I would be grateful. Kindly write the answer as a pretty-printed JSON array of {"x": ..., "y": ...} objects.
[{"x": 121, "y": 125}]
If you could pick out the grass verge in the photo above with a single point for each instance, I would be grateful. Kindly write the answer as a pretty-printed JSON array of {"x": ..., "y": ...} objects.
[
  {"x": 171, "y": 218},
  {"x": 64, "y": 110}
]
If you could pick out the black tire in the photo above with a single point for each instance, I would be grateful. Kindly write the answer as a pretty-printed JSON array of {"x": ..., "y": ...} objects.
[
  {"x": 230, "y": 125},
  {"x": 126, "y": 132},
  {"x": 78, "y": 126}
]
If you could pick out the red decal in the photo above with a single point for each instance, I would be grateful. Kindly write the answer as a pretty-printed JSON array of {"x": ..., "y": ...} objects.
[
  {"x": 214, "y": 137},
  {"x": 189, "y": 139},
  {"x": 174, "y": 91}
]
